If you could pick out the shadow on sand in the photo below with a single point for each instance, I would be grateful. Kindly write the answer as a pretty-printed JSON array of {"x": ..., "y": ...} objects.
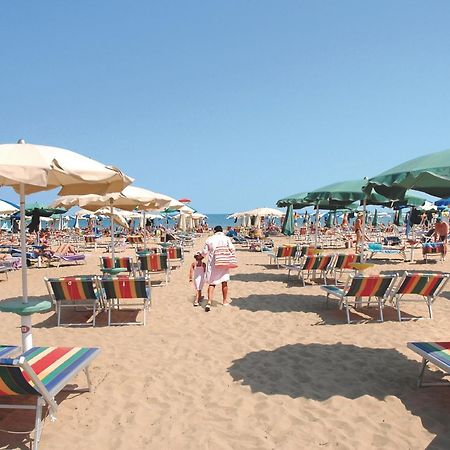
[
  {"x": 329, "y": 313},
  {"x": 294, "y": 370}
]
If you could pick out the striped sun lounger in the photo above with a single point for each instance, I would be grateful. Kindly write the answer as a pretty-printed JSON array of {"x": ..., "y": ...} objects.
[
  {"x": 6, "y": 350},
  {"x": 126, "y": 291},
  {"x": 359, "y": 287},
  {"x": 42, "y": 372},
  {"x": 73, "y": 292},
  {"x": 437, "y": 353},
  {"x": 426, "y": 286},
  {"x": 154, "y": 263}
]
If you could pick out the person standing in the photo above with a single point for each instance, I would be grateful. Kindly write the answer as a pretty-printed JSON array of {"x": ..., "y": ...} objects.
[
  {"x": 358, "y": 230},
  {"x": 216, "y": 275},
  {"x": 441, "y": 232}
]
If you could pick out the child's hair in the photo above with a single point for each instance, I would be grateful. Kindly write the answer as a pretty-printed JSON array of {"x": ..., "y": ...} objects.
[{"x": 198, "y": 255}]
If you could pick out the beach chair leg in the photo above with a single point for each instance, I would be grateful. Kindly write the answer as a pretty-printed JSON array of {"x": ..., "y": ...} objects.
[
  {"x": 93, "y": 314},
  {"x": 38, "y": 423},
  {"x": 430, "y": 310},
  {"x": 380, "y": 307},
  {"x": 399, "y": 313},
  {"x": 88, "y": 378},
  {"x": 109, "y": 312},
  {"x": 58, "y": 314},
  {"x": 347, "y": 312},
  {"x": 421, "y": 373}
]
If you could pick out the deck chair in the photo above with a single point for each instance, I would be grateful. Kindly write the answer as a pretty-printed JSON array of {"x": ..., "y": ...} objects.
[
  {"x": 151, "y": 263},
  {"x": 375, "y": 247},
  {"x": 310, "y": 265},
  {"x": 342, "y": 263},
  {"x": 359, "y": 287},
  {"x": 120, "y": 262},
  {"x": 68, "y": 258},
  {"x": 73, "y": 292},
  {"x": 437, "y": 353},
  {"x": 175, "y": 255},
  {"x": 43, "y": 372},
  {"x": 126, "y": 291},
  {"x": 90, "y": 242},
  {"x": 433, "y": 249},
  {"x": 284, "y": 252},
  {"x": 426, "y": 286},
  {"x": 6, "y": 350}
]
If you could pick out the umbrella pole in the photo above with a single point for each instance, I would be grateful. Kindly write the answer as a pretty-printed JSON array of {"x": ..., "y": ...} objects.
[
  {"x": 363, "y": 231},
  {"x": 27, "y": 338},
  {"x": 112, "y": 230},
  {"x": 316, "y": 232},
  {"x": 145, "y": 231}
]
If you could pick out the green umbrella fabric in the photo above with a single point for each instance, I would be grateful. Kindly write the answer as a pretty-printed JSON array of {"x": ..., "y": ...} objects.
[
  {"x": 343, "y": 192},
  {"x": 398, "y": 218},
  {"x": 429, "y": 173},
  {"x": 329, "y": 221},
  {"x": 375, "y": 219},
  {"x": 288, "y": 224},
  {"x": 43, "y": 210},
  {"x": 296, "y": 200}
]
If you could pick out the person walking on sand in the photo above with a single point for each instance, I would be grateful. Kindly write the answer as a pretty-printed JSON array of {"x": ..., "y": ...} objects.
[
  {"x": 197, "y": 273},
  {"x": 217, "y": 274}
]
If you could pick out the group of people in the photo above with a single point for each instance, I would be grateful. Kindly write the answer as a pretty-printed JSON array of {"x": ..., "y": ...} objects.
[{"x": 211, "y": 273}]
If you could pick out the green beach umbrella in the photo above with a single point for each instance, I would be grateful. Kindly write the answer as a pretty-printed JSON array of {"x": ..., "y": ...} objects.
[
  {"x": 343, "y": 192},
  {"x": 296, "y": 200},
  {"x": 288, "y": 223},
  {"x": 398, "y": 218},
  {"x": 329, "y": 221},
  {"x": 375, "y": 219},
  {"x": 429, "y": 173}
]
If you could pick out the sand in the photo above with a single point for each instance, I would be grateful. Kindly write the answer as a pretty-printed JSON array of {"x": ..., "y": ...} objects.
[{"x": 276, "y": 369}]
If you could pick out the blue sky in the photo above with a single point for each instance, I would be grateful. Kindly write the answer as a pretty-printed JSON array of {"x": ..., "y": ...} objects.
[{"x": 233, "y": 104}]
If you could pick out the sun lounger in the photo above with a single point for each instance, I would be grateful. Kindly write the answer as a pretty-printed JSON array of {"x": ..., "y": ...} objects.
[
  {"x": 310, "y": 265},
  {"x": 121, "y": 264},
  {"x": 175, "y": 255},
  {"x": 286, "y": 252},
  {"x": 43, "y": 372},
  {"x": 359, "y": 287},
  {"x": 73, "y": 292},
  {"x": 375, "y": 248},
  {"x": 433, "y": 249},
  {"x": 426, "y": 286},
  {"x": 343, "y": 263},
  {"x": 134, "y": 291},
  {"x": 68, "y": 258},
  {"x": 437, "y": 353},
  {"x": 151, "y": 263},
  {"x": 6, "y": 350}
]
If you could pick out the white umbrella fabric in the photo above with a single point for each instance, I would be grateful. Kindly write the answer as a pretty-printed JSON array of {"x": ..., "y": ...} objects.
[
  {"x": 31, "y": 168},
  {"x": 7, "y": 208}
]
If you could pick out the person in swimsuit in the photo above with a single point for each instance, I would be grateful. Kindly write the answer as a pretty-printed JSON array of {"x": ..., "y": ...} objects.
[{"x": 197, "y": 276}]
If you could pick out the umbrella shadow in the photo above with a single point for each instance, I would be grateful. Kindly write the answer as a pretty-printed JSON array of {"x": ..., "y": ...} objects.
[
  {"x": 329, "y": 313},
  {"x": 319, "y": 372}
]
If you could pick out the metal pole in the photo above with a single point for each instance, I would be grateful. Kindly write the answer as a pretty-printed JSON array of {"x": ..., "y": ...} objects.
[
  {"x": 27, "y": 339},
  {"x": 112, "y": 230},
  {"x": 145, "y": 231},
  {"x": 363, "y": 231},
  {"x": 316, "y": 233}
]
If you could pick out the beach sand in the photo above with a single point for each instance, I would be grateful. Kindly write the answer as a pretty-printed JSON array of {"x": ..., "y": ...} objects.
[{"x": 276, "y": 369}]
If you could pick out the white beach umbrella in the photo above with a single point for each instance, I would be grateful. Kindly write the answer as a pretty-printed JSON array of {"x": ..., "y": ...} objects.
[
  {"x": 7, "y": 208},
  {"x": 265, "y": 212},
  {"x": 130, "y": 198},
  {"x": 31, "y": 168}
]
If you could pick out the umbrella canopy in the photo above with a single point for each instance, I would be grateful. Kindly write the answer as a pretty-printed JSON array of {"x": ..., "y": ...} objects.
[
  {"x": 130, "y": 198},
  {"x": 265, "y": 212},
  {"x": 298, "y": 201},
  {"x": 8, "y": 207},
  {"x": 40, "y": 168},
  {"x": 429, "y": 173},
  {"x": 288, "y": 223},
  {"x": 116, "y": 215},
  {"x": 31, "y": 168},
  {"x": 442, "y": 202},
  {"x": 184, "y": 200}
]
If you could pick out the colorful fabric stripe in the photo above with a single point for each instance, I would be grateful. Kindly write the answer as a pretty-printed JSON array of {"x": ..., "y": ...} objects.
[
  {"x": 125, "y": 287},
  {"x": 286, "y": 251},
  {"x": 135, "y": 239},
  {"x": 433, "y": 247},
  {"x": 174, "y": 253},
  {"x": 6, "y": 350},
  {"x": 154, "y": 262},
  {"x": 372, "y": 286},
  {"x": 421, "y": 284},
  {"x": 438, "y": 350},
  {"x": 317, "y": 262},
  {"x": 90, "y": 239},
  {"x": 343, "y": 261},
  {"x": 73, "y": 288},
  {"x": 52, "y": 365},
  {"x": 123, "y": 262}
]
